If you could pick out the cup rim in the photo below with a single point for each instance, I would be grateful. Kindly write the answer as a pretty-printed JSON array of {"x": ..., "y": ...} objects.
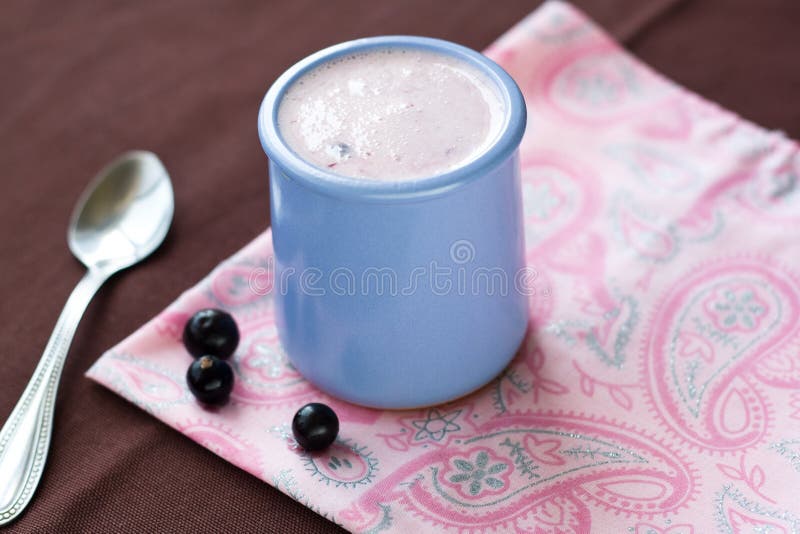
[{"x": 332, "y": 184}]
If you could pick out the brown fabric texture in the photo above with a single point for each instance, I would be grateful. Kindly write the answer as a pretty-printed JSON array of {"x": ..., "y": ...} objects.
[{"x": 83, "y": 81}]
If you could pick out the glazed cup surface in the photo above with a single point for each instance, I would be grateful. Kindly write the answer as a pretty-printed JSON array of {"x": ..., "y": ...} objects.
[{"x": 399, "y": 294}]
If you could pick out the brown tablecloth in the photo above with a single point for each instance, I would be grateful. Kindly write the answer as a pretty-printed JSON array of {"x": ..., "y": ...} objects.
[{"x": 81, "y": 82}]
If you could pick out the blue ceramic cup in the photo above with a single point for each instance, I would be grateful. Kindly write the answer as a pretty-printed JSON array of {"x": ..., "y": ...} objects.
[{"x": 407, "y": 293}]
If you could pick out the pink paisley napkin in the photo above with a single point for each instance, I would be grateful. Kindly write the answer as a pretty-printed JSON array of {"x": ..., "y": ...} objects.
[{"x": 659, "y": 389}]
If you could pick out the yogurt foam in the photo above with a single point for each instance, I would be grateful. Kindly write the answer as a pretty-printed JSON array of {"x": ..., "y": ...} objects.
[{"x": 391, "y": 114}]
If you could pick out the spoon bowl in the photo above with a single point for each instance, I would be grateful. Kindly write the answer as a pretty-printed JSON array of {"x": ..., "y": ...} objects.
[
  {"x": 124, "y": 214},
  {"x": 120, "y": 219}
]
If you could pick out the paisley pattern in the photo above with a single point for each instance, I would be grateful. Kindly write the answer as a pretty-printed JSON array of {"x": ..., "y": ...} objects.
[
  {"x": 657, "y": 390},
  {"x": 769, "y": 196},
  {"x": 655, "y": 168},
  {"x": 736, "y": 513},
  {"x": 650, "y": 236},
  {"x": 146, "y": 383},
  {"x": 343, "y": 465},
  {"x": 706, "y": 347},
  {"x": 265, "y": 376},
  {"x": 598, "y": 83},
  {"x": 502, "y": 477}
]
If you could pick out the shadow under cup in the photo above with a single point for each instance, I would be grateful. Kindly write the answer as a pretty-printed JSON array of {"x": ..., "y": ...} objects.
[{"x": 407, "y": 293}]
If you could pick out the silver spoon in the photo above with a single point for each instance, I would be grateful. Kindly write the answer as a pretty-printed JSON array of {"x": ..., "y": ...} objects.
[{"x": 120, "y": 219}]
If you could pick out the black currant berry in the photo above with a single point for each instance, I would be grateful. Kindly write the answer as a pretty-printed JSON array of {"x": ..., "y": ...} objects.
[
  {"x": 210, "y": 380},
  {"x": 212, "y": 332},
  {"x": 315, "y": 426}
]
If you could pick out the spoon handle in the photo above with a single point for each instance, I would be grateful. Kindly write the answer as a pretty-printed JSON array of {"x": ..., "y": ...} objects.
[{"x": 25, "y": 437}]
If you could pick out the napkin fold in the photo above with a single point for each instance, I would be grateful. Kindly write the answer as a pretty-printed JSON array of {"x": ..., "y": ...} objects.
[{"x": 659, "y": 388}]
